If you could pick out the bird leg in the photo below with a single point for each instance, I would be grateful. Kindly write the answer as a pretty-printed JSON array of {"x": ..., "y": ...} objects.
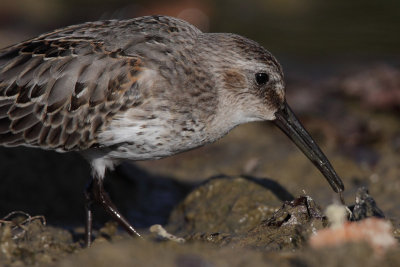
[{"x": 95, "y": 193}]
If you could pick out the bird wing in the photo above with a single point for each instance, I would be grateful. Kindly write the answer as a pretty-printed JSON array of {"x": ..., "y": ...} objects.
[{"x": 58, "y": 90}]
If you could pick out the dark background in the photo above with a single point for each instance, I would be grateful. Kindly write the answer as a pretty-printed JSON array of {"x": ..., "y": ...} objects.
[{"x": 309, "y": 29}]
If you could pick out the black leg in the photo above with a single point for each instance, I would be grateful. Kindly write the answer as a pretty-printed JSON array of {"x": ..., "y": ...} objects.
[
  {"x": 89, "y": 214},
  {"x": 95, "y": 193}
]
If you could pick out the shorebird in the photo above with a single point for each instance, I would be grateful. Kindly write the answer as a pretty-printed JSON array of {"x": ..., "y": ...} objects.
[{"x": 140, "y": 89}]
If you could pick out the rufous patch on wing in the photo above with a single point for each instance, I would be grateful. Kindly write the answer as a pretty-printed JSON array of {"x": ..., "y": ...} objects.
[{"x": 135, "y": 67}]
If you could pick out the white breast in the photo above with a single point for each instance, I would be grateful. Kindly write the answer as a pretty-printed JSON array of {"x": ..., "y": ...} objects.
[{"x": 150, "y": 138}]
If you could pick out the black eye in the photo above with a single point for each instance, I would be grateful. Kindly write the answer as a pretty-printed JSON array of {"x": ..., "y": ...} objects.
[{"x": 262, "y": 78}]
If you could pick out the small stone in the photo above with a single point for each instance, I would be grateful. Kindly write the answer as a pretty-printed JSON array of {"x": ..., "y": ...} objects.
[
  {"x": 337, "y": 215},
  {"x": 161, "y": 232}
]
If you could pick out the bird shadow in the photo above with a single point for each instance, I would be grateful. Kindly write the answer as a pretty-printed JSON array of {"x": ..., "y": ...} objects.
[
  {"x": 148, "y": 199},
  {"x": 145, "y": 198},
  {"x": 52, "y": 184},
  {"x": 276, "y": 188}
]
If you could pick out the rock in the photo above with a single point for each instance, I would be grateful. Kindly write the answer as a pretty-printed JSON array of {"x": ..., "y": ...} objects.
[
  {"x": 28, "y": 241},
  {"x": 287, "y": 229},
  {"x": 227, "y": 205},
  {"x": 365, "y": 206}
]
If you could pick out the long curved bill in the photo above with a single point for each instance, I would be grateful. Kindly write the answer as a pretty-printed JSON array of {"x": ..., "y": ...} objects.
[{"x": 291, "y": 126}]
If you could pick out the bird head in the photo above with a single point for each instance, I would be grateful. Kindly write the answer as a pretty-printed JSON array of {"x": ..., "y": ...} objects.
[{"x": 252, "y": 88}]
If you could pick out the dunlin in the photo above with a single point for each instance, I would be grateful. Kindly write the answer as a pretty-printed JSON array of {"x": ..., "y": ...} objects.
[{"x": 140, "y": 89}]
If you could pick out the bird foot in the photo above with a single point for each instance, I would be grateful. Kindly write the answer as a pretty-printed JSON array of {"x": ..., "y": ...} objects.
[{"x": 95, "y": 193}]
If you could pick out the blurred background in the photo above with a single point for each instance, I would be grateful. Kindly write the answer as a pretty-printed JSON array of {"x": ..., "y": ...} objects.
[
  {"x": 341, "y": 60},
  {"x": 306, "y": 29}
]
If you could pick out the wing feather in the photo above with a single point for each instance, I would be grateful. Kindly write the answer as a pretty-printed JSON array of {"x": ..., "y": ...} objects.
[{"x": 59, "y": 90}]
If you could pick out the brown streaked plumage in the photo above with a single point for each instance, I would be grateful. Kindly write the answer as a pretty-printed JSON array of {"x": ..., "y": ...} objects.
[
  {"x": 58, "y": 91},
  {"x": 138, "y": 89}
]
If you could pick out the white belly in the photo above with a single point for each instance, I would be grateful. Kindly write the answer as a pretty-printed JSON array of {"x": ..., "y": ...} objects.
[{"x": 148, "y": 139}]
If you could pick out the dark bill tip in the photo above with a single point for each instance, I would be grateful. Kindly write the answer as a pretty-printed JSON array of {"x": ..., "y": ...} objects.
[{"x": 291, "y": 126}]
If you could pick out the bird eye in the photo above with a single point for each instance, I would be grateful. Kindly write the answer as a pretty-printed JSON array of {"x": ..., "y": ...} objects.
[{"x": 262, "y": 78}]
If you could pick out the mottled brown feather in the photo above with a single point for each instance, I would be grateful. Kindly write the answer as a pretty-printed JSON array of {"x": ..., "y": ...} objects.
[{"x": 52, "y": 88}]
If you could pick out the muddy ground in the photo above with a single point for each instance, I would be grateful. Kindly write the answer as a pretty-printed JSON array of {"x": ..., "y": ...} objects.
[{"x": 222, "y": 198}]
